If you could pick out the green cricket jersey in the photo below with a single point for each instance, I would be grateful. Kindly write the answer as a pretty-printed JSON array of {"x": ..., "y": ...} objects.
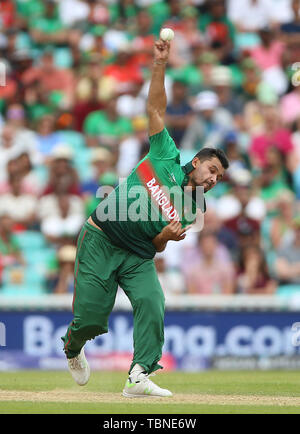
[{"x": 149, "y": 199}]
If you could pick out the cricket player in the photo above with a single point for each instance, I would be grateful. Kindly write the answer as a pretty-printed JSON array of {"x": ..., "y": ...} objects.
[{"x": 116, "y": 248}]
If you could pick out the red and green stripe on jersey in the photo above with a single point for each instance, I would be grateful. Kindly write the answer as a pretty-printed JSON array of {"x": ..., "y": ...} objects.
[{"x": 158, "y": 172}]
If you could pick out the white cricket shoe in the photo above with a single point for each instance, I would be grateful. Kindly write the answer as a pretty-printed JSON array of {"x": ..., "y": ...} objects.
[
  {"x": 141, "y": 386},
  {"x": 79, "y": 368}
]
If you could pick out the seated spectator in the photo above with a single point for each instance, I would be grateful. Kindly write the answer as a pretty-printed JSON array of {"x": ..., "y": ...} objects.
[
  {"x": 125, "y": 71},
  {"x": 253, "y": 275},
  {"x": 61, "y": 168},
  {"x": 221, "y": 80},
  {"x": 52, "y": 78},
  {"x": 238, "y": 159},
  {"x": 290, "y": 107},
  {"x": 271, "y": 188},
  {"x": 7, "y": 14},
  {"x": 48, "y": 138},
  {"x": 241, "y": 200},
  {"x": 18, "y": 206},
  {"x": 179, "y": 113},
  {"x": 143, "y": 40},
  {"x": 10, "y": 253},
  {"x": 268, "y": 56},
  {"x": 132, "y": 104},
  {"x": 101, "y": 162},
  {"x": 282, "y": 226},
  {"x": 290, "y": 31},
  {"x": 171, "y": 280},
  {"x": 188, "y": 36},
  {"x": 252, "y": 15},
  {"x": 210, "y": 275},
  {"x": 219, "y": 30},
  {"x": 130, "y": 149},
  {"x": 106, "y": 127},
  {"x": 48, "y": 28},
  {"x": 287, "y": 264},
  {"x": 210, "y": 125},
  {"x": 62, "y": 280},
  {"x": 61, "y": 214},
  {"x": 275, "y": 135}
]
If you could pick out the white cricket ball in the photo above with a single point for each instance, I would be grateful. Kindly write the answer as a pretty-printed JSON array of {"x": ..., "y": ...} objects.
[{"x": 166, "y": 34}]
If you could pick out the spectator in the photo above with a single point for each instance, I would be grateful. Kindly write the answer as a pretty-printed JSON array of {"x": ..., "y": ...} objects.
[
  {"x": 253, "y": 275},
  {"x": 124, "y": 71},
  {"x": 48, "y": 138},
  {"x": 179, "y": 113},
  {"x": 209, "y": 275},
  {"x": 101, "y": 161},
  {"x": 10, "y": 253},
  {"x": 219, "y": 30},
  {"x": 61, "y": 168},
  {"x": 19, "y": 206},
  {"x": 274, "y": 135},
  {"x": 287, "y": 265},
  {"x": 221, "y": 80},
  {"x": 131, "y": 148},
  {"x": 290, "y": 30},
  {"x": 252, "y": 15},
  {"x": 48, "y": 27},
  {"x": 210, "y": 125},
  {"x": 271, "y": 189},
  {"x": 62, "y": 282},
  {"x": 142, "y": 43},
  {"x": 281, "y": 231},
  {"x": 268, "y": 56},
  {"x": 106, "y": 127},
  {"x": 171, "y": 280},
  {"x": 242, "y": 211},
  {"x": 52, "y": 78},
  {"x": 61, "y": 214}
]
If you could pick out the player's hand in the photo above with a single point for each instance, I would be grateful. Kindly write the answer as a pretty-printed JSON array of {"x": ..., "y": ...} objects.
[
  {"x": 161, "y": 51},
  {"x": 174, "y": 231}
]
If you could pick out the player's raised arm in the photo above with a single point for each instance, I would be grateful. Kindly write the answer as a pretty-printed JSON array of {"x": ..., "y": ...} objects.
[{"x": 157, "y": 100}]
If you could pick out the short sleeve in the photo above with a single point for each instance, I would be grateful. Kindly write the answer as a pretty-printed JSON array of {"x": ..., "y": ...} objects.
[{"x": 162, "y": 146}]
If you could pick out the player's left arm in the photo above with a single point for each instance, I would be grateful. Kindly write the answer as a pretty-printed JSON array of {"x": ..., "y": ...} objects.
[{"x": 157, "y": 99}]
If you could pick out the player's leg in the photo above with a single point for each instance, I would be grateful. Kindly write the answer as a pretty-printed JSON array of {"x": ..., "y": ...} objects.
[
  {"x": 95, "y": 290},
  {"x": 139, "y": 280}
]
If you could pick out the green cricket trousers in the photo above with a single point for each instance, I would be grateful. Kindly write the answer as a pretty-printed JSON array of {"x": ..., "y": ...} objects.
[{"x": 100, "y": 267}]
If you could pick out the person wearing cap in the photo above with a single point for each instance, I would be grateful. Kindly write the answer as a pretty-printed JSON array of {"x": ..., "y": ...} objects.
[
  {"x": 210, "y": 124},
  {"x": 222, "y": 84},
  {"x": 63, "y": 281},
  {"x": 101, "y": 162},
  {"x": 179, "y": 113},
  {"x": 61, "y": 168},
  {"x": 117, "y": 244}
]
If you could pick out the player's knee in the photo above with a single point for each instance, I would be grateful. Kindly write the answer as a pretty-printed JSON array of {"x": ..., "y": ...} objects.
[{"x": 151, "y": 303}]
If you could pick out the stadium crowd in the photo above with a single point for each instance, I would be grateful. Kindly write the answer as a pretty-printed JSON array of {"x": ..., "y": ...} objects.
[{"x": 74, "y": 83}]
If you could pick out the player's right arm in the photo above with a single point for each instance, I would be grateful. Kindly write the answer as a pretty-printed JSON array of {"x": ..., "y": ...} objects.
[{"x": 157, "y": 99}]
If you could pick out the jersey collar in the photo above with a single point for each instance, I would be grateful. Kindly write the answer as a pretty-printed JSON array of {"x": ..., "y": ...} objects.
[{"x": 187, "y": 169}]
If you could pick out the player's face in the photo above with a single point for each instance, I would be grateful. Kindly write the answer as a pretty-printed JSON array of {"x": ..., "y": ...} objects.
[{"x": 208, "y": 173}]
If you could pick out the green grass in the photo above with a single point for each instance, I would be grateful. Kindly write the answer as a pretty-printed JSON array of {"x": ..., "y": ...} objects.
[{"x": 275, "y": 384}]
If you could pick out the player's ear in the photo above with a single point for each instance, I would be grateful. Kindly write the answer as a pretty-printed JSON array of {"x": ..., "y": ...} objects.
[{"x": 195, "y": 162}]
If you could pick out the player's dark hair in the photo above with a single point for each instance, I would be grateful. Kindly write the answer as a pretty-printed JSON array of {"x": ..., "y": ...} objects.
[{"x": 209, "y": 153}]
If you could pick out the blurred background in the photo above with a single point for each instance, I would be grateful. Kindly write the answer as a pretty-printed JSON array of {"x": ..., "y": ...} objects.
[{"x": 74, "y": 83}]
